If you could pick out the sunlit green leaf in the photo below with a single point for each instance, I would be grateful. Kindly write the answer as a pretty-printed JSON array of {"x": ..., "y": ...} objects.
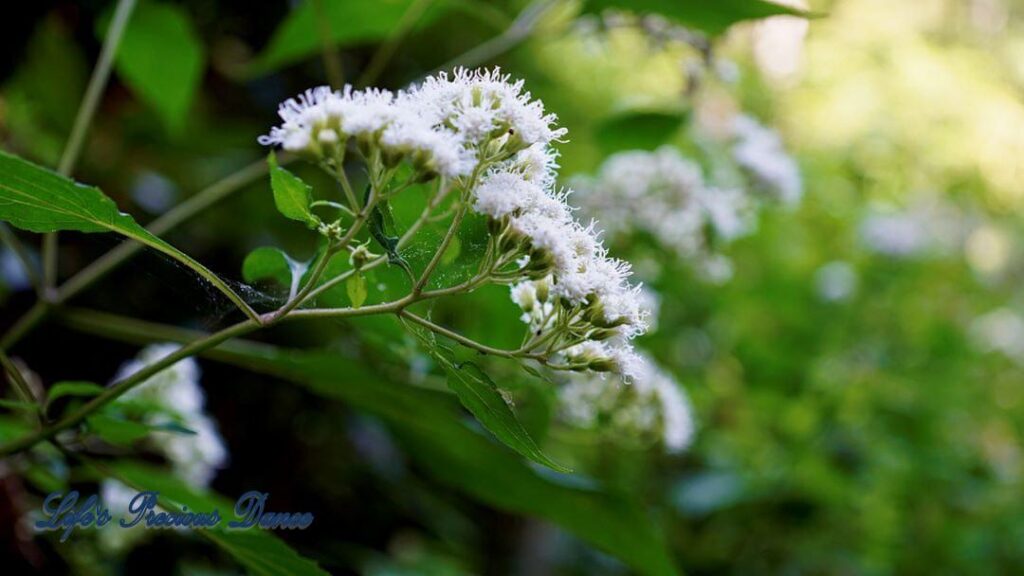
[{"x": 355, "y": 287}]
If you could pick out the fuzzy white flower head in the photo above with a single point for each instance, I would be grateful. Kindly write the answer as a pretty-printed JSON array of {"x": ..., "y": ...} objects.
[
  {"x": 482, "y": 104},
  {"x": 653, "y": 406}
]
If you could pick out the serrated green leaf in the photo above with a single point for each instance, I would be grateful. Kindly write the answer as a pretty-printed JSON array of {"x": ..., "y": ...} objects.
[
  {"x": 161, "y": 59},
  {"x": 711, "y": 17},
  {"x": 481, "y": 396},
  {"x": 355, "y": 287},
  {"x": 292, "y": 196},
  {"x": 38, "y": 200},
  {"x": 258, "y": 551}
]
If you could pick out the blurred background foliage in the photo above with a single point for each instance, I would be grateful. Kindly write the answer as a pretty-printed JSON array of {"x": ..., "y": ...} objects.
[{"x": 856, "y": 383}]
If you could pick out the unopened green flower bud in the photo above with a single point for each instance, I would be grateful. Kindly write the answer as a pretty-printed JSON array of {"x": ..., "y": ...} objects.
[{"x": 543, "y": 287}]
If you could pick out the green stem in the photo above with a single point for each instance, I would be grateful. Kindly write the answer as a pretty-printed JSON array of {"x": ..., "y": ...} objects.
[
  {"x": 103, "y": 265},
  {"x": 83, "y": 119},
  {"x": 300, "y": 296},
  {"x": 180, "y": 213},
  {"x": 8, "y": 237},
  {"x": 436, "y": 259},
  {"x": 126, "y": 384},
  {"x": 435, "y": 201},
  {"x": 332, "y": 63},
  {"x": 26, "y": 323},
  {"x": 387, "y": 49},
  {"x": 17, "y": 379},
  {"x": 467, "y": 342},
  {"x": 521, "y": 29}
]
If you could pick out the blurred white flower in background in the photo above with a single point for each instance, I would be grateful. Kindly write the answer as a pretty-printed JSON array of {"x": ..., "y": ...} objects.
[
  {"x": 988, "y": 249},
  {"x": 926, "y": 226},
  {"x": 778, "y": 43},
  {"x": 759, "y": 150},
  {"x": 663, "y": 194},
  {"x": 194, "y": 457},
  {"x": 836, "y": 281},
  {"x": 1001, "y": 330}
]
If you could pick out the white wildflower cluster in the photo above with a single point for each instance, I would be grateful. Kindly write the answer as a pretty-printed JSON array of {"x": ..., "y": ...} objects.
[
  {"x": 573, "y": 295},
  {"x": 926, "y": 226},
  {"x": 485, "y": 134},
  {"x": 836, "y": 281},
  {"x": 759, "y": 150},
  {"x": 664, "y": 195},
  {"x": 1002, "y": 331},
  {"x": 176, "y": 392},
  {"x": 448, "y": 125},
  {"x": 653, "y": 407}
]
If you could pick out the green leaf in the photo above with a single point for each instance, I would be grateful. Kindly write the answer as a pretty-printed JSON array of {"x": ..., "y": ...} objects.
[
  {"x": 427, "y": 421},
  {"x": 38, "y": 200},
  {"x": 172, "y": 427},
  {"x": 12, "y": 428},
  {"x": 713, "y": 17},
  {"x": 37, "y": 117},
  {"x": 62, "y": 389},
  {"x": 346, "y": 23},
  {"x": 381, "y": 221},
  {"x": 161, "y": 59},
  {"x": 117, "y": 430},
  {"x": 267, "y": 263},
  {"x": 639, "y": 129},
  {"x": 355, "y": 287},
  {"x": 292, "y": 196},
  {"x": 19, "y": 405},
  {"x": 481, "y": 396},
  {"x": 258, "y": 551}
]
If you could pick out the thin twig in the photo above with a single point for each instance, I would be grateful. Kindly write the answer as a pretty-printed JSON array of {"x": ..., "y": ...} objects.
[
  {"x": 86, "y": 112},
  {"x": 332, "y": 63},
  {"x": 103, "y": 265},
  {"x": 386, "y": 50},
  {"x": 520, "y": 29},
  {"x": 17, "y": 379}
]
